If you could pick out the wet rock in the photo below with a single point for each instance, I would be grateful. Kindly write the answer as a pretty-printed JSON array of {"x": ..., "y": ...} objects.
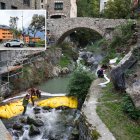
[
  {"x": 23, "y": 120},
  {"x": 36, "y": 122},
  {"x": 36, "y": 110},
  {"x": 33, "y": 131},
  {"x": 62, "y": 108},
  {"x": 17, "y": 126},
  {"x": 17, "y": 133},
  {"x": 47, "y": 108},
  {"x": 24, "y": 138}
]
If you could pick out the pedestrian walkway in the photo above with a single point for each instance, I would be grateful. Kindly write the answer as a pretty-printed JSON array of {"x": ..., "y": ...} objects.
[
  {"x": 89, "y": 110},
  {"x": 4, "y": 134}
]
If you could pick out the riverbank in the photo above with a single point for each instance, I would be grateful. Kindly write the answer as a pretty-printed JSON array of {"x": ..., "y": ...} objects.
[
  {"x": 96, "y": 129},
  {"x": 110, "y": 111}
]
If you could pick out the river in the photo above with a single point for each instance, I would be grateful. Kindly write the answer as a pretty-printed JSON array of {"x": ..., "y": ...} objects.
[
  {"x": 56, "y": 85},
  {"x": 58, "y": 124}
]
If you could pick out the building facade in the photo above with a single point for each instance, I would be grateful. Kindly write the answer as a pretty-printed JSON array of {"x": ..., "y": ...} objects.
[
  {"x": 102, "y": 5},
  {"x": 61, "y": 9},
  {"x": 5, "y": 33}
]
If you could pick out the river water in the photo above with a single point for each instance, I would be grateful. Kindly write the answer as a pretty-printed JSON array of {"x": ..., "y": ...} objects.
[
  {"x": 58, "y": 124},
  {"x": 56, "y": 85}
]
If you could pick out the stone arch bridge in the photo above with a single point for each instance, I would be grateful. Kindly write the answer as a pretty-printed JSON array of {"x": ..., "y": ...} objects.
[{"x": 60, "y": 28}]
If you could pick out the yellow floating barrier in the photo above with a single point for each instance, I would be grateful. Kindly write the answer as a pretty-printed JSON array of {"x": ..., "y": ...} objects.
[
  {"x": 55, "y": 102},
  {"x": 13, "y": 109}
]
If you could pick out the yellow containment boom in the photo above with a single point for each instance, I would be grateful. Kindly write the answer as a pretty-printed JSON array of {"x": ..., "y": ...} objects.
[
  {"x": 13, "y": 109},
  {"x": 54, "y": 102}
]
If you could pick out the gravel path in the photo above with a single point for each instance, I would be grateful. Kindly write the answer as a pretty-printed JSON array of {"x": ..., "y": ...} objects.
[{"x": 89, "y": 109}]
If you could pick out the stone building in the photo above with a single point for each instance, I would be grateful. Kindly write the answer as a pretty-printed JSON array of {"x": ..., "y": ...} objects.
[
  {"x": 20, "y": 4},
  {"x": 61, "y": 8}
]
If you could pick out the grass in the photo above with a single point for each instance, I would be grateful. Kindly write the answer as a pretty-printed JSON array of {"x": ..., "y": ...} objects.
[
  {"x": 64, "y": 61},
  {"x": 122, "y": 127}
]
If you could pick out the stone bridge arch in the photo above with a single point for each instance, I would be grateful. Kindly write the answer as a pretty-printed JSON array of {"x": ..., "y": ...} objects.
[{"x": 60, "y": 28}]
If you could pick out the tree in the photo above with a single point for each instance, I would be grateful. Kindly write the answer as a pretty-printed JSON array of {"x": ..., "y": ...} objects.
[
  {"x": 37, "y": 24},
  {"x": 88, "y": 8},
  {"x": 13, "y": 25},
  {"x": 79, "y": 84},
  {"x": 117, "y": 9}
]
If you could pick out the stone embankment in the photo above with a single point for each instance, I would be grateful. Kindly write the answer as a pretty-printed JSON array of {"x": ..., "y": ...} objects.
[
  {"x": 4, "y": 134},
  {"x": 90, "y": 123}
]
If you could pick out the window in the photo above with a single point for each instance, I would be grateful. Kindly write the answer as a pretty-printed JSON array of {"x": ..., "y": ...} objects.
[
  {"x": 26, "y": 2},
  {"x": 2, "y": 5},
  {"x": 13, "y": 7},
  {"x": 42, "y": 1},
  {"x": 58, "y": 6},
  {"x": 42, "y": 6}
]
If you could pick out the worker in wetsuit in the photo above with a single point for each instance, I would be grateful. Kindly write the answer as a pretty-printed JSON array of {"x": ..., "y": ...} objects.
[{"x": 25, "y": 102}]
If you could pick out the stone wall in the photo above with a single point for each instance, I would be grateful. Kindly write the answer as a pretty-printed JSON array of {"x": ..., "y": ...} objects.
[
  {"x": 45, "y": 62},
  {"x": 61, "y": 28},
  {"x": 85, "y": 131}
]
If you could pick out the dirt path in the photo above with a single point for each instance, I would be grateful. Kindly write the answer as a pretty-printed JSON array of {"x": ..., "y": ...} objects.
[{"x": 89, "y": 109}]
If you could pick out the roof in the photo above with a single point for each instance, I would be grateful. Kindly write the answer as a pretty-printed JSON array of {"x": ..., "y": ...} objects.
[{"x": 4, "y": 27}]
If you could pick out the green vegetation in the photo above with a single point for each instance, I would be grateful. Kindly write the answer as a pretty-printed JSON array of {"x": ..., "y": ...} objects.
[
  {"x": 64, "y": 61},
  {"x": 98, "y": 45},
  {"x": 117, "y": 9},
  {"x": 120, "y": 42},
  {"x": 129, "y": 108},
  {"x": 95, "y": 134},
  {"x": 68, "y": 51},
  {"x": 111, "y": 112},
  {"x": 84, "y": 37},
  {"x": 31, "y": 76},
  {"x": 40, "y": 43},
  {"x": 79, "y": 84},
  {"x": 88, "y": 8}
]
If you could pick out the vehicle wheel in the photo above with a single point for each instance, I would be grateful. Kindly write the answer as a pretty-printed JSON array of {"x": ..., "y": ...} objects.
[
  {"x": 21, "y": 45},
  {"x": 8, "y": 45}
]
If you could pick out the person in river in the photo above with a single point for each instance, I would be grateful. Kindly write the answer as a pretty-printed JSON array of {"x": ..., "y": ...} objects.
[
  {"x": 34, "y": 92},
  {"x": 100, "y": 73},
  {"x": 31, "y": 92},
  {"x": 25, "y": 102}
]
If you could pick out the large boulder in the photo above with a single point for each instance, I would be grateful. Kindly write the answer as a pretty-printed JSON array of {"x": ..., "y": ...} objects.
[
  {"x": 36, "y": 122},
  {"x": 117, "y": 73},
  {"x": 134, "y": 92},
  {"x": 17, "y": 126}
]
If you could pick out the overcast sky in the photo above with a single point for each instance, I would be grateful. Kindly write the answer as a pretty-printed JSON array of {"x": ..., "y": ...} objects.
[{"x": 27, "y": 16}]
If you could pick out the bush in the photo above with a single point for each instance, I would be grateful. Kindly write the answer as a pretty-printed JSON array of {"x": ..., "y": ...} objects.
[
  {"x": 119, "y": 42},
  {"x": 64, "y": 61},
  {"x": 79, "y": 84},
  {"x": 68, "y": 51},
  {"x": 129, "y": 108}
]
